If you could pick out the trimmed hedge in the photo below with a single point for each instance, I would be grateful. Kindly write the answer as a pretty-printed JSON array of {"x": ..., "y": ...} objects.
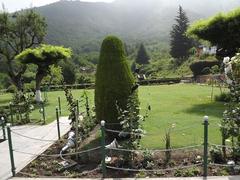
[
  {"x": 198, "y": 67},
  {"x": 114, "y": 81}
]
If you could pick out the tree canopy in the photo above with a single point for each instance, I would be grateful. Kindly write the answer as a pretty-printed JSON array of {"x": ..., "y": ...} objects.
[
  {"x": 114, "y": 81},
  {"x": 142, "y": 55},
  {"x": 19, "y": 31},
  {"x": 221, "y": 30},
  {"x": 43, "y": 56},
  {"x": 180, "y": 44}
]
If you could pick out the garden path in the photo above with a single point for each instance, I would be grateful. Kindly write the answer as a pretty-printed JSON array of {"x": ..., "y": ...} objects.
[{"x": 42, "y": 137}]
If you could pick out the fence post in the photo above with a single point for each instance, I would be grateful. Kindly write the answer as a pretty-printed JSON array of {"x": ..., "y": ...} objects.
[
  {"x": 58, "y": 127},
  {"x": 11, "y": 149},
  {"x": 76, "y": 129},
  {"x": 3, "y": 128},
  {"x": 205, "y": 152},
  {"x": 103, "y": 148},
  {"x": 11, "y": 112},
  {"x": 59, "y": 106},
  {"x": 43, "y": 113}
]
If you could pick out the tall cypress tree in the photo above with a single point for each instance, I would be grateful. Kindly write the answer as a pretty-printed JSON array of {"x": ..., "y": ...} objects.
[
  {"x": 180, "y": 43},
  {"x": 114, "y": 82},
  {"x": 142, "y": 56}
]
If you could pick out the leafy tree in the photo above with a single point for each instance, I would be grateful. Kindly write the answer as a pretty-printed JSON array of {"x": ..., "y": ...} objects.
[
  {"x": 142, "y": 55},
  {"x": 221, "y": 30},
  {"x": 114, "y": 82},
  {"x": 18, "y": 32},
  {"x": 68, "y": 72},
  {"x": 55, "y": 75},
  {"x": 43, "y": 56},
  {"x": 180, "y": 44}
]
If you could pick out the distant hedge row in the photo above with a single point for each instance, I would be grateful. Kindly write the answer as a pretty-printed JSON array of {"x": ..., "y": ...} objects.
[
  {"x": 198, "y": 67},
  {"x": 92, "y": 85}
]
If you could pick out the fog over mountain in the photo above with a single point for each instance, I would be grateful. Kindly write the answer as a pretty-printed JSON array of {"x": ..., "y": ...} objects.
[{"x": 83, "y": 25}]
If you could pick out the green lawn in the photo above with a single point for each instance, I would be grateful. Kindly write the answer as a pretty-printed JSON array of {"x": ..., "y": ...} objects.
[{"x": 182, "y": 104}]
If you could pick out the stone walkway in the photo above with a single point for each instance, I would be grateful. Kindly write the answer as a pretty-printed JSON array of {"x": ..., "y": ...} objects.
[{"x": 48, "y": 135}]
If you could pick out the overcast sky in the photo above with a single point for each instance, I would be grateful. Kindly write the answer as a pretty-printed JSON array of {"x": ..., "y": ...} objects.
[{"x": 13, "y": 5}]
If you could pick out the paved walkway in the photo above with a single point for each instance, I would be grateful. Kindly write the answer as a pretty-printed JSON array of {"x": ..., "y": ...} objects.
[
  {"x": 48, "y": 133},
  {"x": 179, "y": 178}
]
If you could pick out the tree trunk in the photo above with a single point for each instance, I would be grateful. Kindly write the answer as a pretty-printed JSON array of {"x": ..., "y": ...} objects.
[
  {"x": 39, "y": 77},
  {"x": 17, "y": 79}
]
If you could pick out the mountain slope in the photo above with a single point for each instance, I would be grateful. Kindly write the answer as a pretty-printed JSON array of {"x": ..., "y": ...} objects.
[{"x": 83, "y": 25}]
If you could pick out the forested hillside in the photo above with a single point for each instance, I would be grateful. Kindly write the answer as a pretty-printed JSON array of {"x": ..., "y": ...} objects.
[{"x": 83, "y": 25}]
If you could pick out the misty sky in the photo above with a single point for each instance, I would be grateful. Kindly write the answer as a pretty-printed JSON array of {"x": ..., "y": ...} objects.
[{"x": 13, "y": 5}]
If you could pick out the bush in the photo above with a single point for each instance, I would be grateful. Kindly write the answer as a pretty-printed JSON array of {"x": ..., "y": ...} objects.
[
  {"x": 223, "y": 97},
  {"x": 30, "y": 87},
  {"x": 198, "y": 67},
  {"x": 114, "y": 81},
  {"x": 216, "y": 155},
  {"x": 11, "y": 89}
]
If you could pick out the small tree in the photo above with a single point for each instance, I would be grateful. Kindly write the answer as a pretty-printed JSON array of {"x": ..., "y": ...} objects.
[
  {"x": 180, "y": 44},
  {"x": 43, "y": 56},
  {"x": 68, "y": 72},
  {"x": 19, "y": 31},
  {"x": 114, "y": 81},
  {"x": 221, "y": 30},
  {"x": 142, "y": 55}
]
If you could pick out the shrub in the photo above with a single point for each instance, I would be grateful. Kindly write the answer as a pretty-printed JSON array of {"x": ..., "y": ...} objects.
[
  {"x": 216, "y": 155},
  {"x": 223, "y": 97},
  {"x": 114, "y": 81},
  {"x": 198, "y": 67},
  {"x": 30, "y": 87},
  {"x": 11, "y": 89}
]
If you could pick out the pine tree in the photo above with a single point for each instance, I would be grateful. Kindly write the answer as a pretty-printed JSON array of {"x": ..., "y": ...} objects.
[
  {"x": 180, "y": 44},
  {"x": 142, "y": 56}
]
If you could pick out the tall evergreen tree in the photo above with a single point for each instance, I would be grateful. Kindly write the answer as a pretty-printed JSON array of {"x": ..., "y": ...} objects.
[
  {"x": 114, "y": 82},
  {"x": 180, "y": 43},
  {"x": 142, "y": 56}
]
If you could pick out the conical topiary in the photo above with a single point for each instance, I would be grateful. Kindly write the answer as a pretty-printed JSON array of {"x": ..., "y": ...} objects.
[{"x": 114, "y": 82}]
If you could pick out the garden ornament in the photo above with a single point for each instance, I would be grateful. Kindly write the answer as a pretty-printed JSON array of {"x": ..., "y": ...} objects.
[
  {"x": 70, "y": 143},
  {"x": 227, "y": 69}
]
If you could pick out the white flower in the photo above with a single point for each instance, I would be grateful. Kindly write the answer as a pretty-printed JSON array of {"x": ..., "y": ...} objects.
[
  {"x": 228, "y": 140},
  {"x": 228, "y": 68},
  {"x": 226, "y": 60}
]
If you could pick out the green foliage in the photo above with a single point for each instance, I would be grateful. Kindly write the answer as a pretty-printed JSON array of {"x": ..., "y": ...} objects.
[
  {"x": 4, "y": 81},
  {"x": 231, "y": 116},
  {"x": 191, "y": 172},
  {"x": 22, "y": 107},
  {"x": 199, "y": 67},
  {"x": 180, "y": 44},
  {"x": 216, "y": 155},
  {"x": 43, "y": 56},
  {"x": 68, "y": 73},
  {"x": 55, "y": 75},
  {"x": 142, "y": 55},
  {"x": 71, "y": 102},
  {"x": 19, "y": 31},
  {"x": 221, "y": 30},
  {"x": 114, "y": 81},
  {"x": 131, "y": 123},
  {"x": 168, "y": 153},
  {"x": 223, "y": 97}
]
